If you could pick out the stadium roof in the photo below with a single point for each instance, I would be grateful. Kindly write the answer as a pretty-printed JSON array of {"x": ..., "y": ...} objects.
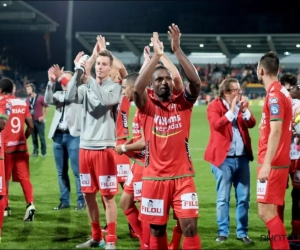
[
  {"x": 230, "y": 45},
  {"x": 18, "y": 16}
]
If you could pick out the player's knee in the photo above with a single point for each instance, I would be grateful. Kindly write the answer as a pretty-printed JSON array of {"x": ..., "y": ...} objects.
[
  {"x": 126, "y": 202},
  {"x": 189, "y": 227},
  {"x": 266, "y": 211},
  {"x": 158, "y": 230},
  {"x": 89, "y": 197}
]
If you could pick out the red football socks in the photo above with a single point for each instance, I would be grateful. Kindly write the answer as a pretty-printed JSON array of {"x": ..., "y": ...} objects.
[
  {"x": 146, "y": 235},
  {"x": 276, "y": 229},
  {"x": 191, "y": 242},
  {"x": 158, "y": 242},
  {"x": 96, "y": 231},
  {"x": 27, "y": 190},
  {"x": 132, "y": 215},
  {"x": 111, "y": 232}
]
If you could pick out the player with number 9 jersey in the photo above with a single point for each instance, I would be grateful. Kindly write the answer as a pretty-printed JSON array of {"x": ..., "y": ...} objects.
[{"x": 14, "y": 140}]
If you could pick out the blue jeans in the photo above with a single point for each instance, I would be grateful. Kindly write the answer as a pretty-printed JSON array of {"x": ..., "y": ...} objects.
[
  {"x": 39, "y": 130},
  {"x": 234, "y": 171},
  {"x": 66, "y": 146}
]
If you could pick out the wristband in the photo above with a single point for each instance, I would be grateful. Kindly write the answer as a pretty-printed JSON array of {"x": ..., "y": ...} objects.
[
  {"x": 64, "y": 81},
  {"x": 123, "y": 148},
  {"x": 78, "y": 66}
]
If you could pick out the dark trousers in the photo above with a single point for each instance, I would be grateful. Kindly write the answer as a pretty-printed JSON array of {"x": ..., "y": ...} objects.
[{"x": 39, "y": 130}]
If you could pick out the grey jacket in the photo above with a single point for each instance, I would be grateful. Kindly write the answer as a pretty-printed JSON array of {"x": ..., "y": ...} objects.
[
  {"x": 99, "y": 108},
  {"x": 72, "y": 111}
]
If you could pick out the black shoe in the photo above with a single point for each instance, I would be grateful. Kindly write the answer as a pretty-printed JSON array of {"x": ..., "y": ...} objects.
[
  {"x": 80, "y": 206},
  {"x": 221, "y": 239},
  {"x": 61, "y": 206},
  {"x": 246, "y": 240}
]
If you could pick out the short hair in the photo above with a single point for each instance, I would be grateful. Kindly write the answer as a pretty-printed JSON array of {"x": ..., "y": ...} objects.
[
  {"x": 270, "y": 63},
  {"x": 225, "y": 86},
  {"x": 30, "y": 85},
  {"x": 288, "y": 78},
  {"x": 131, "y": 78},
  {"x": 160, "y": 67},
  {"x": 107, "y": 54},
  {"x": 160, "y": 63},
  {"x": 6, "y": 85}
]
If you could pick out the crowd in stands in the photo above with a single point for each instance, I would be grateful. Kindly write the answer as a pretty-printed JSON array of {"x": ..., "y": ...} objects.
[{"x": 211, "y": 76}]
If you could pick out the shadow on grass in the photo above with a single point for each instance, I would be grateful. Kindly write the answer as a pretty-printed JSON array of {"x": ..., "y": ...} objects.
[
  {"x": 63, "y": 224},
  {"x": 23, "y": 234}
]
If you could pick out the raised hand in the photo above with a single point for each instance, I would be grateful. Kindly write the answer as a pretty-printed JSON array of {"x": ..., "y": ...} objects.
[
  {"x": 77, "y": 58},
  {"x": 244, "y": 103},
  {"x": 147, "y": 56},
  {"x": 51, "y": 76},
  {"x": 101, "y": 43},
  {"x": 158, "y": 47},
  {"x": 175, "y": 35},
  {"x": 57, "y": 71}
]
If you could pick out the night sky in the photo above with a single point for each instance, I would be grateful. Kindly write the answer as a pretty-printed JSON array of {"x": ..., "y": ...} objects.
[{"x": 203, "y": 17}]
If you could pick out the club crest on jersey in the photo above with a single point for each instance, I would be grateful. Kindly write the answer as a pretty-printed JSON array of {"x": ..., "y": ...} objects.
[
  {"x": 8, "y": 109},
  {"x": 274, "y": 109},
  {"x": 273, "y": 100}
]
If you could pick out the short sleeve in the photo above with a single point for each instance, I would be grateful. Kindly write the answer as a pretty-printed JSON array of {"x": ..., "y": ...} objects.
[
  {"x": 5, "y": 109},
  {"x": 276, "y": 104}
]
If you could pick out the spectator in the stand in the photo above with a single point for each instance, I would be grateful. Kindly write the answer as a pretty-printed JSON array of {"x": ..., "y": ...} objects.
[{"x": 36, "y": 104}]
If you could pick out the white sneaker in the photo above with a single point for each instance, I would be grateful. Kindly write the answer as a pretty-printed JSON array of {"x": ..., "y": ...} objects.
[
  {"x": 88, "y": 244},
  {"x": 7, "y": 212},
  {"x": 110, "y": 245},
  {"x": 29, "y": 214}
]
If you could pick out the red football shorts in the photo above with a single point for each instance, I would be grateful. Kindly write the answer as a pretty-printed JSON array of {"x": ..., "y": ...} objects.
[
  {"x": 3, "y": 189},
  {"x": 123, "y": 166},
  {"x": 134, "y": 183},
  {"x": 159, "y": 195},
  {"x": 273, "y": 190},
  {"x": 97, "y": 171},
  {"x": 17, "y": 166}
]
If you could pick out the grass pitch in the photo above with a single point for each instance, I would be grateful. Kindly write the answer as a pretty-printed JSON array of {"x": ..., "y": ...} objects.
[{"x": 65, "y": 229}]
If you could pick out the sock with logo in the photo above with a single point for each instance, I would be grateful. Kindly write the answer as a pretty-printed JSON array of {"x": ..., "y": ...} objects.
[
  {"x": 276, "y": 229},
  {"x": 27, "y": 190},
  {"x": 96, "y": 231},
  {"x": 132, "y": 215},
  {"x": 191, "y": 242},
  {"x": 111, "y": 232},
  {"x": 146, "y": 235},
  {"x": 158, "y": 242},
  {"x": 280, "y": 211},
  {"x": 176, "y": 238}
]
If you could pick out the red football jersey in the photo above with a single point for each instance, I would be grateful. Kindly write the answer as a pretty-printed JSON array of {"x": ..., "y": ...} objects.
[
  {"x": 167, "y": 129},
  {"x": 136, "y": 156},
  {"x": 277, "y": 106},
  {"x": 122, "y": 120},
  {"x": 13, "y": 135}
]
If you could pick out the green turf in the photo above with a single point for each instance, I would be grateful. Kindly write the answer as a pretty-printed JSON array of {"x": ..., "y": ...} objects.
[{"x": 64, "y": 229}]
